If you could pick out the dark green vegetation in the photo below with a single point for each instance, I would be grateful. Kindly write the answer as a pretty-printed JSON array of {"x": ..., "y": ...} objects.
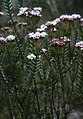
[{"x": 41, "y": 74}]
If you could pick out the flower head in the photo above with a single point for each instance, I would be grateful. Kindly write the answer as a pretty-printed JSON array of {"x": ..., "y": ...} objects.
[
  {"x": 65, "y": 39},
  {"x": 31, "y": 56},
  {"x": 76, "y": 16},
  {"x": 22, "y": 11},
  {"x": 82, "y": 20},
  {"x": 36, "y": 11},
  {"x": 79, "y": 45},
  {"x": 2, "y": 39},
  {"x": 37, "y": 35},
  {"x": 70, "y": 17},
  {"x": 57, "y": 42},
  {"x": 66, "y": 17},
  {"x": 56, "y": 21},
  {"x": 44, "y": 50},
  {"x": 42, "y": 28},
  {"x": 10, "y": 38},
  {"x": 53, "y": 23}
]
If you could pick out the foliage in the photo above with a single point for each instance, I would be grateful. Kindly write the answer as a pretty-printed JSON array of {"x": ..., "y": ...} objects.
[{"x": 41, "y": 69}]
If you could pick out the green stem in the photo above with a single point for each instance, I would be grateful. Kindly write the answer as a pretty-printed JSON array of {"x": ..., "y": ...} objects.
[{"x": 37, "y": 99}]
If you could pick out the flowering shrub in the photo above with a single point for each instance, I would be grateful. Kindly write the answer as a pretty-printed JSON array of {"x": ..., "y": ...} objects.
[{"x": 41, "y": 68}]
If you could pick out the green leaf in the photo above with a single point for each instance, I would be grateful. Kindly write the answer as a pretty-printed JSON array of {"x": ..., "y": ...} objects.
[
  {"x": 8, "y": 8},
  {"x": 20, "y": 3}
]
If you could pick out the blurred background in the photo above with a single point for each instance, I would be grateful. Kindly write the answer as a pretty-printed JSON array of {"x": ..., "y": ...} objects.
[
  {"x": 55, "y": 8},
  {"x": 52, "y": 8}
]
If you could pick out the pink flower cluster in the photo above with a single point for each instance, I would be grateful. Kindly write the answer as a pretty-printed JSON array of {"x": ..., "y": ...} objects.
[{"x": 59, "y": 42}]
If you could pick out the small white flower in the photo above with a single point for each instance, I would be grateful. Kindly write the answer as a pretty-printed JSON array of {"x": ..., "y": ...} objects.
[
  {"x": 82, "y": 20},
  {"x": 56, "y": 21},
  {"x": 62, "y": 17},
  {"x": 31, "y": 56},
  {"x": 10, "y": 38},
  {"x": 76, "y": 16},
  {"x": 42, "y": 28},
  {"x": 37, "y": 9},
  {"x": 35, "y": 13},
  {"x": 49, "y": 23},
  {"x": 53, "y": 23},
  {"x": 37, "y": 35},
  {"x": 79, "y": 45},
  {"x": 70, "y": 17},
  {"x": 44, "y": 50},
  {"x": 31, "y": 35},
  {"x": 22, "y": 11},
  {"x": 54, "y": 29},
  {"x": 66, "y": 17},
  {"x": 39, "y": 57},
  {"x": 2, "y": 39},
  {"x": 43, "y": 34},
  {"x": 65, "y": 39}
]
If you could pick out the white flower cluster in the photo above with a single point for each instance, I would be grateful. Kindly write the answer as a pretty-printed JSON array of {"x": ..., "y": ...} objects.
[
  {"x": 10, "y": 38},
  {"x": 43, "y": 27},
  {"x": 70, "y": 17},
  {"x": 37, "y": 35},
  {"x": 57, "y": 21},
  {"x": 65, "y": 39},
  {"x": 7, "y": 39},
  {"x": 22, "y": 10},
  {"x": 31, "y": 56},
  {"x": 36, "y": 11},
  {"x": 79, "y": 45},
  {"x": 53, "y": 23}
]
